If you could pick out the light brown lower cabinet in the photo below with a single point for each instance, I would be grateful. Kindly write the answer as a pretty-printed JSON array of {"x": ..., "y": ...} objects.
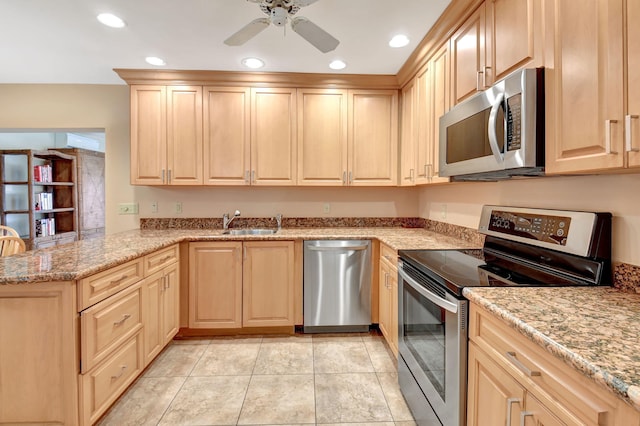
[
  {"x": 235, "y": 284},
  {"x": 76, "y": 346},
  {"x": 388, "y": 297},
  {"x": 513, "y": 381}
]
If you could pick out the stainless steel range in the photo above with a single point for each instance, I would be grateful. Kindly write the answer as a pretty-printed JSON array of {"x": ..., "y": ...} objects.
[{"x": 523, "y": 247}]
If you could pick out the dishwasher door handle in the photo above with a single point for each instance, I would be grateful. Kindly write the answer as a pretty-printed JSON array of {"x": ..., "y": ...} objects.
[{"x": 337, "y": 248}]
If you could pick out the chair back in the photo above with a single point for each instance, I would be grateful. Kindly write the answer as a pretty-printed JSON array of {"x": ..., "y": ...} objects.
[
  {"x": 7, "y": 230},
  {"x": 10, "y": 244}
]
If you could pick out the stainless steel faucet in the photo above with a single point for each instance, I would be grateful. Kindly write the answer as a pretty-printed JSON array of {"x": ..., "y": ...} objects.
[
  {"x": 279, "y": 220},
  {"x": 226, "y": 221}
]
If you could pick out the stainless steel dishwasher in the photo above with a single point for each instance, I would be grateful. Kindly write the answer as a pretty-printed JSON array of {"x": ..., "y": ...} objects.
[{"x": 337, "y": 285}]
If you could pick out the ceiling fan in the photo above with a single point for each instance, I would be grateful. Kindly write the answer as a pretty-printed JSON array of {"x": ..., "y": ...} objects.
[{"x": 279, "y": 12}]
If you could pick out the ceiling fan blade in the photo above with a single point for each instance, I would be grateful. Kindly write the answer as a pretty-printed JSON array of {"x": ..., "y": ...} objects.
[
  {"x": 247, "y": 32},
  {"x": 303, "y": 3},
  {"x": 315, "y": 35}
]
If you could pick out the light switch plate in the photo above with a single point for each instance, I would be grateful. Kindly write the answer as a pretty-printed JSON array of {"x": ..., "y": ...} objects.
[{"x": 128, "y": 208}]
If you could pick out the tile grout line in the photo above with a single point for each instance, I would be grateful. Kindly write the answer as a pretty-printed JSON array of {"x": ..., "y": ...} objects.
[
  {"x": 250, "y": 380},
  {"x": 164, "y": 413}
]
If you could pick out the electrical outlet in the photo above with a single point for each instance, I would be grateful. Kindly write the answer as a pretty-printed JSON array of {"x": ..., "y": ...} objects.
[
  {"x": 154, "y": 207},
  {"x": 178, "y": 207},
  {"x": 443, "y": 212},
  {"x": 128, "y": 208},
  {"x": 326, "y": 208}
]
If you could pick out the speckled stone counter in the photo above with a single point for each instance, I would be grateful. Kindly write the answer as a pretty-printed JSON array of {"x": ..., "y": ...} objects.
[
  {"x": 86, "y": 257},
  {"x": 596, "y": 330}
]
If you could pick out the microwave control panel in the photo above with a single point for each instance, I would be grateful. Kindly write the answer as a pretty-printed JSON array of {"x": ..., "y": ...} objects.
[
  {"x": 550, "y": 229},
  {"x": 514, "y": 122}
]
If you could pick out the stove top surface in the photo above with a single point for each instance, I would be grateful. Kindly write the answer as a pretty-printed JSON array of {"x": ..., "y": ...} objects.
[{"x": 456, "y": 269}]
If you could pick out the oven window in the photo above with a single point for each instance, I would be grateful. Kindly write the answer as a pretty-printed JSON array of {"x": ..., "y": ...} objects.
[{"x": 424, "y": 335}]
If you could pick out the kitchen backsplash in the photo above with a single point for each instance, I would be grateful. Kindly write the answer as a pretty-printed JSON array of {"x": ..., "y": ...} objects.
[{"x": 626, "y": 277}]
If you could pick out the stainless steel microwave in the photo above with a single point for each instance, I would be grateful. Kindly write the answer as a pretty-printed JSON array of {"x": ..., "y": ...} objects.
[{"x": 497, "y": 133}]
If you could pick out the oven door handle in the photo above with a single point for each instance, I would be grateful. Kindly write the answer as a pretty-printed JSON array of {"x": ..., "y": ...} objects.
[{"x": 444, "y": 304}]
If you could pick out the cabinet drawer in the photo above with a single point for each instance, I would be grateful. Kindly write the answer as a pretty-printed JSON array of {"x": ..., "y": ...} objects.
[
  {"x": 98, "y": 287},
  {"x": 156, "y": 261},
  {"x": 547, "y": 377},
  {"x": 104, "y": 384},
  {"x": 107, "y": 324},
  {"x": 389, "y": 254}
]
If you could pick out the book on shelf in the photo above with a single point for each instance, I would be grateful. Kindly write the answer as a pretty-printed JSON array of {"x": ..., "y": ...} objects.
[
  {"x": 44, "y": 201},
  {"x": 45, "y": 227},
  {"x": 43, "y": 173}
]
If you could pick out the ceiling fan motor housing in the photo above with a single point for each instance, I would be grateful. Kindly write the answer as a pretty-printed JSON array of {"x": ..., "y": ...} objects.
[{"x": 279, "y": 16}]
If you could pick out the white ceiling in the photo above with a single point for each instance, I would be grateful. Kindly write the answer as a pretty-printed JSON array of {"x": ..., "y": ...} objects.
[{"x": 60, "y": 41}]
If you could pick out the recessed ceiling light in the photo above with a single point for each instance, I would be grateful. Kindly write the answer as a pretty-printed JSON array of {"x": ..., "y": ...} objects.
[
  {"x": 337, "y": 65},
  {"x": 155, "y": 61},
  {"x": 111, "y": 20},
  {"x": 399, "y": 40},
  {"x": 253, "y": 63}
]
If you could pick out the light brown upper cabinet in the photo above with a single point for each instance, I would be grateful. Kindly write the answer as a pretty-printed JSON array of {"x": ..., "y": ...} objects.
[
  {"x": 424, "y": 100},
  {"x": 501, "y": 36},
  {"x": 632, "y": 121},
  {"x": 166, "y": 135},
  {"x": 585, "y": 86},
  {"x": 514, "y": 37},
  {"x": 322, "y": 137},
  {"x": 409, "y": 140},
  {"x": 273, "y": 136},
  {"x": 227, "y": 142},
  {"x": 467, "y": 47},
  {"x": 372, "y": 137}
]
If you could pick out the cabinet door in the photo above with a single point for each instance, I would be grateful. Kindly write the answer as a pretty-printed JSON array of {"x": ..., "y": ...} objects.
[
  {"x": 514, "y": 37},
  {"x": 373, "y": 137},
  {"x": 409, "y": 140},
  {"x": 268, "y": 284},
  {"x": 468, "y": 56},
  {"x": 170, "y": 303},
  {"x": 184, "y": 135},
  {"x": 633, "y": 97},
  {"x": 393, "y": 311},
  {"x": 584, "y": 87},
  {"x": 423, "y": 122},
  {"x": 152, "y": 289},
  {"x": 148, "y": 135},
  {"x": 227, "y": 153},
  {"x": 384, "y": 302},
  {"x": 322, "y": 137},
  {"x": 494, "y": 397},
  {"x": 273, "y": 137},
  {"x": 215, "y": 285},
  {"x": 441, "y": 92}
]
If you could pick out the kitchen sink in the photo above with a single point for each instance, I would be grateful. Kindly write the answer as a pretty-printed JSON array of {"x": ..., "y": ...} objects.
[{"x": 250, "y": 231}]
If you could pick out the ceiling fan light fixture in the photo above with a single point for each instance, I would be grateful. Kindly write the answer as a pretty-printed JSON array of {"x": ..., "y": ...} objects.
[
  {"x": 154, "y": 60},
  {"x": 337, "y": 65},
  {"x": 399, "y": 40},
  {"x": 253, "y": 63},
  {"x": 111, "y": 20}
]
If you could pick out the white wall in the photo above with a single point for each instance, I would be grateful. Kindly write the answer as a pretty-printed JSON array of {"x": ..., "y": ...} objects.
[{"x": 617, "y": 194}]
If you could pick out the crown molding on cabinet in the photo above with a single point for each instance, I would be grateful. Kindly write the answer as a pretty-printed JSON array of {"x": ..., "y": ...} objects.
[
  {"x": 453, "y": 16},
  {"x": 259, "y": 79}
]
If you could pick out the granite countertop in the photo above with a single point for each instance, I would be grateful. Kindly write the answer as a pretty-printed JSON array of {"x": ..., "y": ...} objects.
[
  {"x": 596, "y": 330},
  {"x": 83, "y": 258}
]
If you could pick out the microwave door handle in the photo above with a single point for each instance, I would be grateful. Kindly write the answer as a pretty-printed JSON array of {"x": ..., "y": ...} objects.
[
  {"x": 493, "y": 138},
  {"x": 444, "y": 304}
]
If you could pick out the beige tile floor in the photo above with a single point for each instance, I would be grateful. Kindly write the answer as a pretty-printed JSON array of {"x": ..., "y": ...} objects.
[{"x": 302, "y": 379}]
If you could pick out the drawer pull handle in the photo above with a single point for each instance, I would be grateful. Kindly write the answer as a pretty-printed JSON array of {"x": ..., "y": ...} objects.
[
  {"x": 119, "y": 280},
  {"x": 510, "y": 403},
  {"x": 523, "y": 415},
  {"x": 164, "y": 259},
  {"x": 520, "y": 366},
  {"x": 389, "y": 258},
  {"x": 124, "y": 367},
  {"x": 124, "y": 318},
  {"x": 607, "y": 137}
]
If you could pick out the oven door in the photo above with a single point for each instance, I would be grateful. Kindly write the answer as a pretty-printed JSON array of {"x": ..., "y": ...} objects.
[{"x": 432, "y": 345}]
